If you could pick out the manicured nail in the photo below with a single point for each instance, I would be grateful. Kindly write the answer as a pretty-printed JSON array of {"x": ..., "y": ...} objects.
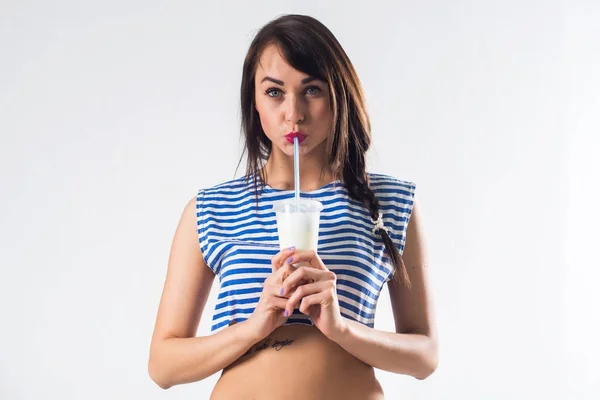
[
  {"x": 281, "y": 292},
  {"x": 286, "y": 313},
  {"x": 289, "y": 260},
  {"x": 292, "y": 248}
]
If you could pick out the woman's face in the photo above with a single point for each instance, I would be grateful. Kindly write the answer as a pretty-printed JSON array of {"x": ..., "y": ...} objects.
[{"x": 290, "y": 101}]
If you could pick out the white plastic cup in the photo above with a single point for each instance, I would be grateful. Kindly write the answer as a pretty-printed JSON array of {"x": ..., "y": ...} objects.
[{"x": 298, "y": 223}]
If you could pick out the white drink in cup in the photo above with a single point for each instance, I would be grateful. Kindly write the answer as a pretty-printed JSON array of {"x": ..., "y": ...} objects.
[{"x": 298, "y": 223}]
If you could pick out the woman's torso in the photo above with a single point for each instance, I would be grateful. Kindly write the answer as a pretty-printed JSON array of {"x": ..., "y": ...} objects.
[
  {"x": 238, "y": 237},
  {"x": 297, "y": 362}
]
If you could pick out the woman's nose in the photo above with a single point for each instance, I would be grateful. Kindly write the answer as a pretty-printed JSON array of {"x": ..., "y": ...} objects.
[{"x": 294, "y": 111}]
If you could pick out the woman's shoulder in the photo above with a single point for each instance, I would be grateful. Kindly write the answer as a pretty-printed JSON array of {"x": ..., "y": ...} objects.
[
  {"x": 228, "y": 187},
  {"x": 380, "y": 181}
]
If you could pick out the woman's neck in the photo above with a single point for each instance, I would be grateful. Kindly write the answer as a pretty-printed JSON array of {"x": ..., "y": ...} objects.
[{"x": 279, "y": 171}]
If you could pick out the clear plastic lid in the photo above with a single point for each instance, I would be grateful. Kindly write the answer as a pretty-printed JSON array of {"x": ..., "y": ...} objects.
[{"x": 297, "y": 205}]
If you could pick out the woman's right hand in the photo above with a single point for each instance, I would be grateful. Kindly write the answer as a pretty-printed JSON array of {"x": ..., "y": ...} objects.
[{"x": 269, "y": 312}]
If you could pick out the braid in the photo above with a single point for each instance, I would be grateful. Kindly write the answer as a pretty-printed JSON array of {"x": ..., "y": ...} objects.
[
  {"x": 400, "y": 272},
  {"x": 359, "y": 189}
]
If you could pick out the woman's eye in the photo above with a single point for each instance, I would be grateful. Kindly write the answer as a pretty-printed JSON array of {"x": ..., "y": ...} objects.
[{"x": 272, "y": 92}]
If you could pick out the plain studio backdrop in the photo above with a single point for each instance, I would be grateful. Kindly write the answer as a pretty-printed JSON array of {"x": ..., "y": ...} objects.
[{"x": 113, "y": 114}]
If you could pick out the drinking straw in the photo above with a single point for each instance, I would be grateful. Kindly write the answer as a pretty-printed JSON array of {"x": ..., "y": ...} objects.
[{"x": 296, "y": 169}]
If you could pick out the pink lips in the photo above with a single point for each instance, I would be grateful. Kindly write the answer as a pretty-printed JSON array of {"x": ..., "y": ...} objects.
[{"x": 290, "y": 137}]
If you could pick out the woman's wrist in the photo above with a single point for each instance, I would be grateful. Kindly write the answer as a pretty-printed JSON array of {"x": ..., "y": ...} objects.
[
  {"x": 249, "y": 332},
  {"x": 341, "y": 332}
]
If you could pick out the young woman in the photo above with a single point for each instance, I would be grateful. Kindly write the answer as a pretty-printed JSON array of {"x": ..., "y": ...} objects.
[{"x": 286, "y": 332}]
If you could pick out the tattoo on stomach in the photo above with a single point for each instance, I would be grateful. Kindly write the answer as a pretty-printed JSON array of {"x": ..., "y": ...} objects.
[{"x": 269, "y": 344}]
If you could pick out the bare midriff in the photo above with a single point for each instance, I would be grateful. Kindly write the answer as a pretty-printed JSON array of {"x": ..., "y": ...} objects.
[{"x": 297, "y": 362}]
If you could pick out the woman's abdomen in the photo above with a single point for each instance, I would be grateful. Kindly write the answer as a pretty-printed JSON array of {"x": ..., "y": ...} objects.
[{"x": 297, "y": 362}]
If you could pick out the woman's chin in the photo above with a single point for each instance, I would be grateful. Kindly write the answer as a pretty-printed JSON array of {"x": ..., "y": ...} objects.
[{"x": 288, "y": 150}]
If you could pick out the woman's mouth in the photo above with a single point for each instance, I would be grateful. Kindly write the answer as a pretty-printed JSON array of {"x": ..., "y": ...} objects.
[{"x": 290, "y": 137}]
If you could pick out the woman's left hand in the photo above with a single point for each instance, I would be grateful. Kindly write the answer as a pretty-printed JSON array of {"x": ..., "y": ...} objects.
[{"x": 315, "y": 293}]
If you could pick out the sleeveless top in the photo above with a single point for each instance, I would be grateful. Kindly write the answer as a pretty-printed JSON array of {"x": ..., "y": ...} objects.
[{"x": 237, "y": 239}]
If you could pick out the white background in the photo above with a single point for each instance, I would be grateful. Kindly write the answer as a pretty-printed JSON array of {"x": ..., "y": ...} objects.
[{"x": 114, "y": 113}]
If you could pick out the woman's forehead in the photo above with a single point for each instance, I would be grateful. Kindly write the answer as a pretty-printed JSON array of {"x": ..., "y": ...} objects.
[{"x": 272, "y": 64}]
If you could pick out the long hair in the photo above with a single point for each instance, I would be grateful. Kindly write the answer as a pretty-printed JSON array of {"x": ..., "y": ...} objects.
[{"x": 309, "y": 46}]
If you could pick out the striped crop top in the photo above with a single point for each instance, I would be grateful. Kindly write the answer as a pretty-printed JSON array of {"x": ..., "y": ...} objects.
[{"x": 237, "y": 239}]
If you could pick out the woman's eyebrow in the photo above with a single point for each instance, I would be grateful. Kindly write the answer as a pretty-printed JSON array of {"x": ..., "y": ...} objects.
[{"x": 281, "y": 83}]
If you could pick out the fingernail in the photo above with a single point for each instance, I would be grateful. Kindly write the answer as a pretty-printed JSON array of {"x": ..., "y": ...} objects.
[
  {"x": 292, "y": 248},
  {"x": 289, "y": 260},
  {"x": 286, "y": 313},
  {"x": 281, "y": 292}
]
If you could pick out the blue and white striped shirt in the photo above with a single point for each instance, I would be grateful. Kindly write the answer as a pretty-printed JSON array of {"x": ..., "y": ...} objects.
[{"x": 238, "y": 239}]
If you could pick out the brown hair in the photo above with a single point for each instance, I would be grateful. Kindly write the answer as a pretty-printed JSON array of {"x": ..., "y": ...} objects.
[{"x": 309, "y": 46}]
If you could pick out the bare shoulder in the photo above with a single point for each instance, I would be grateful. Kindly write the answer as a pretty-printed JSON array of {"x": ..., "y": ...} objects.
[
  {"x": 413, "y": 307},
  {"x": 187, "y": 284}
]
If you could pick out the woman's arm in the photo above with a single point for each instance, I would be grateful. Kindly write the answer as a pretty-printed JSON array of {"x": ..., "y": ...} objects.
[
  {"x": 413, "y": 348},
  {"x": 176, "y": 355},
  {"x": 402, "y": 353}
]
